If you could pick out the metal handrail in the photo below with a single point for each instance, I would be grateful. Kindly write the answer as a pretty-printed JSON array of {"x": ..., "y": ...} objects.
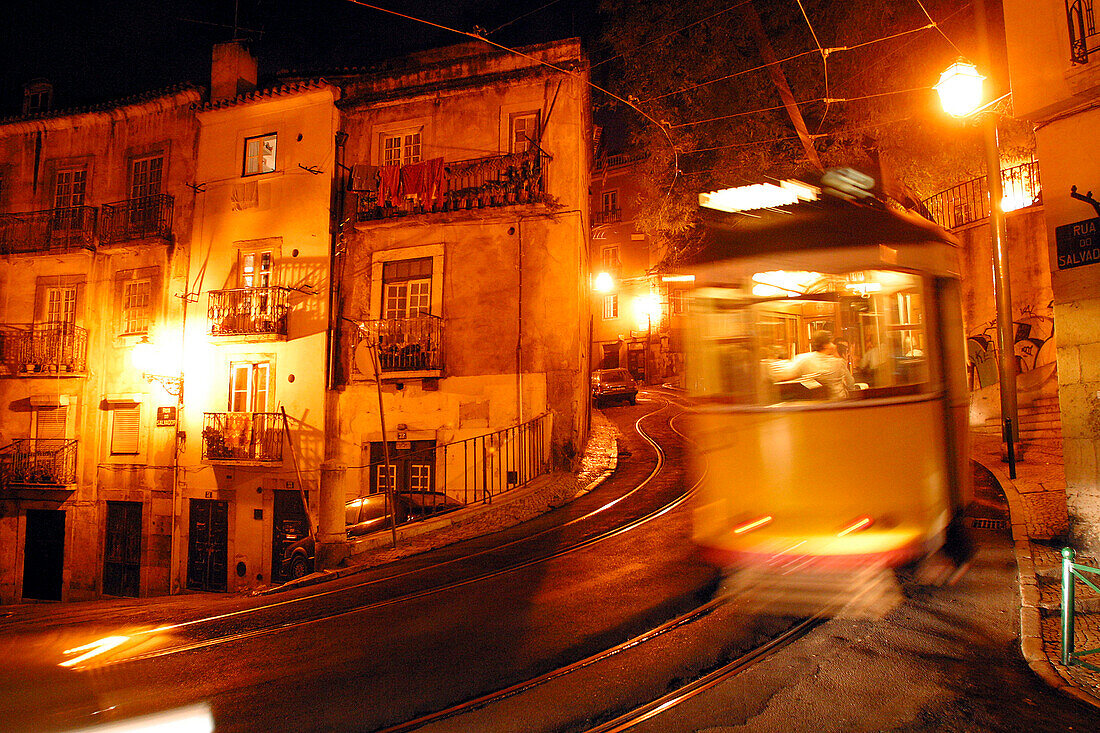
[
  {"x": 52, "y": 230},
  {"x": 242, "y": 436},
  {"x": 1071, "y": 572},
  {"x": 477, "y": 469},
  {"x": 42, "y": 462},
  {"x": 147, "y": 216},
  {"x": 53, "y": 348},
  {"x": 969, "y": 201},
  {"x": 407, "y": 344},
  {"x": 248, "y": 311}
]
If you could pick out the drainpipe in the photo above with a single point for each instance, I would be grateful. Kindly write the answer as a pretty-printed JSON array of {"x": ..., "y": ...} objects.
[{"x": 331, "y": 540}]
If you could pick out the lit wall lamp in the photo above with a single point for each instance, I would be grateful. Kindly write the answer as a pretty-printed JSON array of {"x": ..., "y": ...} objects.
[
  {"x": 145, "y": 357},
  {"x": 604, "y": 283}
]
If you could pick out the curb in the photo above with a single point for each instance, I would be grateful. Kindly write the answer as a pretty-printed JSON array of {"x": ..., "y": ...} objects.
[{"x": 1031, "y": 636}]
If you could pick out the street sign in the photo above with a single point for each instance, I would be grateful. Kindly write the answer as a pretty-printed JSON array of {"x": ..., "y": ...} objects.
[{"x": 1078, "y": 243}]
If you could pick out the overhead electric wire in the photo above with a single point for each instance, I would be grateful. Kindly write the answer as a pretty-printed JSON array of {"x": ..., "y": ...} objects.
[
  {"x": 516, "y": 20},
  {"x": 824, "y": 61},
  {"x": 664, "y": 128},
  {"x": 937, "y": 27},
  {"x": 671, "y": 33}
]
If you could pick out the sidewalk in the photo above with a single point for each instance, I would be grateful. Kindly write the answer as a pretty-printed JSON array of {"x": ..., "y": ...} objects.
[{"x": 1037, "y": 506}]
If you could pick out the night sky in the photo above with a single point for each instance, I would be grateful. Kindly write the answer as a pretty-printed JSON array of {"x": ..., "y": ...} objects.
[{"x": 98, "y": 51}]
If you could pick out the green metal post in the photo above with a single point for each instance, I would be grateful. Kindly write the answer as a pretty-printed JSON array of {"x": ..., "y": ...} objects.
[{"x": 1067, "y": 605}]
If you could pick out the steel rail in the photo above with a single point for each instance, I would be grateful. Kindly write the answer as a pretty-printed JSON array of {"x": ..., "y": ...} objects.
[
  {"x": 677, "y": 697},
  {"x": 288, "y": 625}
]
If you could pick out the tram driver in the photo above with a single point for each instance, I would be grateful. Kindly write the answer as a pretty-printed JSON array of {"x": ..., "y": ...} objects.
[{"x": 820, "y": 364}]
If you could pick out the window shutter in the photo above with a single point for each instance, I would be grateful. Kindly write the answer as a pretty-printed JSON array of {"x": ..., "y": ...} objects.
[
  {"x": 50, "y": 423},
  {"x": 126, "y": 423}
]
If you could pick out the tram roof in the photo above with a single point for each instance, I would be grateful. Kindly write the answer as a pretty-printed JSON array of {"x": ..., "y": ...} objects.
[{"x": 825, "y": 224}]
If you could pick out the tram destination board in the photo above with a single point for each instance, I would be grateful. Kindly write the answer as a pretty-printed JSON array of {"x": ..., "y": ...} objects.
[{"x": 1078, "y": 243}]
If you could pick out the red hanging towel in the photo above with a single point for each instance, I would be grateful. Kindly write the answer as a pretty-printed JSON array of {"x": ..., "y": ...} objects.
[
  {"x": 412, "y": 180},
  {"x": 391, "y": 185},
  {"x": 434, "y": 182}
]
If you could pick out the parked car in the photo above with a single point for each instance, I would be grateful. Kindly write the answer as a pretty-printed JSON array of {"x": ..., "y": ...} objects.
[
  {"x": 609, "y": 385},
  {"x": 367, "y": 515}
]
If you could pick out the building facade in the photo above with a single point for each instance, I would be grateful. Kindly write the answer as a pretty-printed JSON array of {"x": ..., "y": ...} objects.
[
  {"x": 637, "y": 310},
  {"x": 211, "y": 302},
  {"x": 96, "y": 217},
  {"x": 1055, "y": 81}
]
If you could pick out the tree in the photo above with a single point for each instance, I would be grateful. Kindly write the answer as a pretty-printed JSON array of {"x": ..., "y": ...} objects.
[{"x": 702, "y": 73}]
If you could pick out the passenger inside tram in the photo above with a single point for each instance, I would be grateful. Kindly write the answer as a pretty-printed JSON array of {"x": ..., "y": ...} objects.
[{"x": 811, "y": 336}]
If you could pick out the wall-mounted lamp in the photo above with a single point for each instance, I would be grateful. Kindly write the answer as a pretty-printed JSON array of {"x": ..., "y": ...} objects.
[{"x": 145, "y": 357}]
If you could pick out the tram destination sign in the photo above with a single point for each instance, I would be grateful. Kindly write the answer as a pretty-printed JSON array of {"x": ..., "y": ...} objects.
[{"x": 1078, "y": 244}]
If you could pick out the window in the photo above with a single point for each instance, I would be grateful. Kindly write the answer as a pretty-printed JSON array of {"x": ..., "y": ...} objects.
[
  {"x": 401, "y": 149},
  {"x": 609, "y": 258},
  {"x": 420, "y": 477},
  {"x": 676, "y": 297},
  {"x": 146, "y": 175},
  {"x": 135, "y": 306},
  {"x": 125, "y": 427},
  {"x": 256, "y": 269},
  {"x": 407, "y": 288},
  {"x": 248, "y": 386},
  {"x": 610, "y": 201},
  {"x": 259, "y": 154},
  {"x": 61, "y": 305},
  {"x": 525, "y": 131},
  {"x": 610, "y": 306},
  {"x": 380, "y": 478},
  {"x": 51, "y": 423},
  {"x": 69, "y": 188}
]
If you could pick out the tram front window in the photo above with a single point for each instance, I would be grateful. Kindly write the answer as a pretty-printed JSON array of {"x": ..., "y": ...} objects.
[{"x": 809, "y": 336}]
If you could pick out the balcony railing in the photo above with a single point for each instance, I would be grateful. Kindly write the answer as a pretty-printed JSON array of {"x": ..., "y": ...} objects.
[
  {"x": 47, "y": 463},
  {"x": 408, "y": 344},
  {"x": 52, "y": 230},
  {"x": 43, "y": 348},
  {"x": 242, "y": 436},
  {"x": 248, "y": 311},
  {"x": 607, "y": 216},
  {"x": 969, "y": 202},
  {"x": 140, "y": 218},
  {"x": 1082, "y": 30},
  {"x": 496, "y": 180}
]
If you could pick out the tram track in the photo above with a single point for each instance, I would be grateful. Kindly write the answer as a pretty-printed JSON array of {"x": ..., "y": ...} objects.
[{"x": 144, "y": 637}]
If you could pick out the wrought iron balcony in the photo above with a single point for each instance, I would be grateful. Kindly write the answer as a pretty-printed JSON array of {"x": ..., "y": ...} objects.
[
  {"x": 607, "y": 216},
  {"x": 969, "y": 201},
  {"x": 140, "y": 218},
  {"x": 43, "y": 463},
  {"x": 248, "y": 311},
  {"x": 43, "y": 348},
  {"x": 495, "y": 180},
  {"x": 242, "y": 436},
  {"x": 408, "y": 344},
  {"x": 52, "y": 230}
]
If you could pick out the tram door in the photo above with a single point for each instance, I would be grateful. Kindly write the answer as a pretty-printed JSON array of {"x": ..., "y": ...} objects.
[
  {"x": 289, "y": 526},
  {"x": 208, "y": 545},
  {"x": 44, "y": 554},
  {"x": 122, "y": 554}
]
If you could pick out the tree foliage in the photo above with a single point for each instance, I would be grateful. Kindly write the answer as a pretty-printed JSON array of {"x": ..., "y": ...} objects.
[{"x": 696, "y": 69}]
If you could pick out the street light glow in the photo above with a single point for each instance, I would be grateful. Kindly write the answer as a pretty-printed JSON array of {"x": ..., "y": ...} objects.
[
  {"x": 960, "y": 89},
  {"x": 604, "y": 283},
  {"x": 647, "y": 308}
]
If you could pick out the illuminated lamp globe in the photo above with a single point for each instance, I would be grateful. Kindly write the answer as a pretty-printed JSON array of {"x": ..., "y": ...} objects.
[
  {"x": 603, "y": 283},
  {"x": 144, "y": 355},
  {"x": 960, "y": 89}
]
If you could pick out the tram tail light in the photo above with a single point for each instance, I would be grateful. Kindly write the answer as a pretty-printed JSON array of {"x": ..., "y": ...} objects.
[
  {"x": 858, "y": 525},
  {"x": 752, "y": 524}
]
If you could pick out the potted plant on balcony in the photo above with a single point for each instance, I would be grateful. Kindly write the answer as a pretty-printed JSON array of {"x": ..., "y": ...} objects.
[{"x": 215, "y": 444}]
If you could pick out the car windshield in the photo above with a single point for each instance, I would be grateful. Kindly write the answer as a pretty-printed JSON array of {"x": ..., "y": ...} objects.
[{"x": 615, "y": 375}]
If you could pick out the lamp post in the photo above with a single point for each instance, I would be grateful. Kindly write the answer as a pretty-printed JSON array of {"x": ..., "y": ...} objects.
[{"x": 960, "y": 90}]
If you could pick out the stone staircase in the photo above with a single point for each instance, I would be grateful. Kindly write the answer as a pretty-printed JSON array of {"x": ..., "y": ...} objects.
[{"x": 1038, "y": 421}]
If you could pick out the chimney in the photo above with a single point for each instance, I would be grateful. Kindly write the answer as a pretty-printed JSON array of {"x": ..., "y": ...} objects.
[
  {"x": 232, "y": 71},
  {"x": 37, "y": 96}
]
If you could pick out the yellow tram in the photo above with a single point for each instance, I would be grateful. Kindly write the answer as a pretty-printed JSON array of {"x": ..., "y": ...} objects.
[{"x": 826, "y": 361}]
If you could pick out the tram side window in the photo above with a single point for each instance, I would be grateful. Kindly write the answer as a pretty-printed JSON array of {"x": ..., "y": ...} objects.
[{"x": 830, "y": 336}]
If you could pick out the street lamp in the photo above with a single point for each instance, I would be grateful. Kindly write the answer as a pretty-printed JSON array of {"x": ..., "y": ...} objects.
[
  {"x": 646, "y": 308},
  {"x": 960, "y": 90},
  {"x": 146, "y": 357}
]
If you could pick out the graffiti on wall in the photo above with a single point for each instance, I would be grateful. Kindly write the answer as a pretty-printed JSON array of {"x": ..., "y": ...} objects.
[{"x": 1032, "y": 331}]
